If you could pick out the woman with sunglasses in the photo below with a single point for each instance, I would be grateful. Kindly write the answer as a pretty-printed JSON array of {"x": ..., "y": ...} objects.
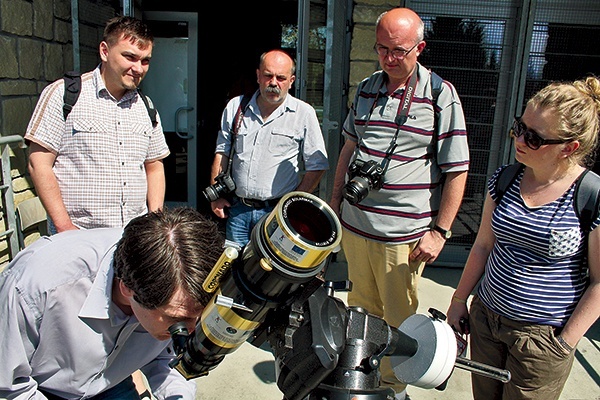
[{"x": 538, "y": 271}]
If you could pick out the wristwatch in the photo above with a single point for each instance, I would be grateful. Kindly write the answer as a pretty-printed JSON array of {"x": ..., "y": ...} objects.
[{"x": 447, "y": 234}]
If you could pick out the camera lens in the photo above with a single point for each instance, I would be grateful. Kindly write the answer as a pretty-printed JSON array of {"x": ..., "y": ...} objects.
[
  {"x": 211, "y": 193},
  {"x": 356, "y": 190}
]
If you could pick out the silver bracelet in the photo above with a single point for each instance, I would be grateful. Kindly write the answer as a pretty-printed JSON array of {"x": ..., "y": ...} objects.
[{"x": 564, "y": 344}]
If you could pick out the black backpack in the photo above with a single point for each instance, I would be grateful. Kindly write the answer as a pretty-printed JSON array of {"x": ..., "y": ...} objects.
[
  {"x": 73, "y": 88},
  {"x": 587, "y": 193}
]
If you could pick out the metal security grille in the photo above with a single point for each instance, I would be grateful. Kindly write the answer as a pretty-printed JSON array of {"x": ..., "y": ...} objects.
[
  {"x": 564, "y": 43},
  {"x": 497, "y": 53}
]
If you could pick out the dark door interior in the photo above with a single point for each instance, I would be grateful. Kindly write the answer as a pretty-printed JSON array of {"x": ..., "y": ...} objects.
[{"x": 231, "y": 38}]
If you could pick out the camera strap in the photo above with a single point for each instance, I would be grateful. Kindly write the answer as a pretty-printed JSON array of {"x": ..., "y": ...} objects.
[
  {"x": 401, "y": 116},
  {"x": 235, "y": 127}
]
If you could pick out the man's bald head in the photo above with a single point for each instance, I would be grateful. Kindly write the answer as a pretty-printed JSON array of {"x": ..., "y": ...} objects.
[{"x": 404, "y": 19}]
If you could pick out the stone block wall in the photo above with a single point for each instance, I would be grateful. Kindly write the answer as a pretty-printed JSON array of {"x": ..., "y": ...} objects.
[{"x": 363, "y": 60}]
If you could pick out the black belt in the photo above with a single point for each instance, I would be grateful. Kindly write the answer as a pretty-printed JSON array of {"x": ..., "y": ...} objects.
[{"x": 260, "y": 203}]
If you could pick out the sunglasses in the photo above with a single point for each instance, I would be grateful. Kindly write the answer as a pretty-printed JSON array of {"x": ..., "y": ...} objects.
[{"x": 531, "y": 138}]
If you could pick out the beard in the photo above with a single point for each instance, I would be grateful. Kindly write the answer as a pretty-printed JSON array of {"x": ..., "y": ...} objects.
[{"x": 131, "y": 85}]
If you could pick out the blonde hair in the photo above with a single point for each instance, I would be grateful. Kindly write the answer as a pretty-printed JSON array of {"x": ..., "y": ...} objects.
[{"x": 577, "y": 105}]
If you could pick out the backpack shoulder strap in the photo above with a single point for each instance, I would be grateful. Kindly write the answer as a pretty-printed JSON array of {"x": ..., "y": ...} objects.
[
  {"x": 505, "y": 178},
  {"x": 587, "y": 199},
  {"x": 72, "y": 81},
  {"x": 149, "y": 106},
  {"x": 436, "y": 87},
  {"x": 586, "y": 196}
]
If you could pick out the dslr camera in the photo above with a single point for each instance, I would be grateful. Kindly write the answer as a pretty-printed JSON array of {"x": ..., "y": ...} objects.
[
  {"x": 224, "y": 184},
  {"x": 364, "y": 176}
]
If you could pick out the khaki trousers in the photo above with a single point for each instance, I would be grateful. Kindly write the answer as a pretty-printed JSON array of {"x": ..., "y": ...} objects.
[
  {"x": 538, "y": 364},
  {"x": 384, "y": 283}
]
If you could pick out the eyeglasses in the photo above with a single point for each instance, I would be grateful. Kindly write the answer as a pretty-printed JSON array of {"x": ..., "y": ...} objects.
[
  {"x": 398, "y": 54},
  {"x": 531, "y": 138}
]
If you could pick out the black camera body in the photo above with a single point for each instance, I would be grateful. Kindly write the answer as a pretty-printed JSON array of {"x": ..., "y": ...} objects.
[
  {"x": 223, "y": 184},
  {"x": 364, "y": 176}
]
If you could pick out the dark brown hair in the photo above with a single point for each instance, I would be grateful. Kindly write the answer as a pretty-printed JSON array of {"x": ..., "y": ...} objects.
[
  {"x": 128, "y": 28},
  {"x": 166, "y": 250}
]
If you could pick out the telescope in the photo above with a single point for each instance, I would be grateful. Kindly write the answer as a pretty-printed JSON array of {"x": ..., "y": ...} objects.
[{"x": 275, "y": 293}]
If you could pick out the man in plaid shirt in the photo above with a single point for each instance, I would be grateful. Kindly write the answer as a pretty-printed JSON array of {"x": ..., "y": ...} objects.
[{"x": 102, "y": 165}]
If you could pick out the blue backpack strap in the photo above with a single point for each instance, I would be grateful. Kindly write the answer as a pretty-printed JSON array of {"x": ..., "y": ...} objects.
[
  {"x": 505, "y": 178},
  {"x": 436, "y": 87},
  {"x": 72, "y": 81},
  {"x": 587, "y": 199}
]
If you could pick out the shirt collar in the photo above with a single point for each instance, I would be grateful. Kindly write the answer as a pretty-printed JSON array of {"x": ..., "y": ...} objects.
[
  {"x": 99, "y": 304},
  {"x": 102, "y": 91}
]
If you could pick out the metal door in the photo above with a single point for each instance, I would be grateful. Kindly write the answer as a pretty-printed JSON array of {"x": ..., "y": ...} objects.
[{"x": 171, "y": 84}]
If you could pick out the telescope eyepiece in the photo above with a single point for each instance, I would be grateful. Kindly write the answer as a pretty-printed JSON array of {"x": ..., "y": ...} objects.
[{"x": 179, "y": 336}]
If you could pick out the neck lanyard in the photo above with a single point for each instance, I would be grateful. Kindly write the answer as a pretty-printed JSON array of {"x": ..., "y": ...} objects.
[{"x": 401, "y": 114}]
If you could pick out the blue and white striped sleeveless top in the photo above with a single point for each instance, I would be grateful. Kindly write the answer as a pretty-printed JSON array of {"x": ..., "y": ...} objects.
[{"x": 537, "y": 270}]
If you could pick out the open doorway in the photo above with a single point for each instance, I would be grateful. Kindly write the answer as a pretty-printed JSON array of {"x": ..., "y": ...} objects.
[{"x": 227, "y": 59}]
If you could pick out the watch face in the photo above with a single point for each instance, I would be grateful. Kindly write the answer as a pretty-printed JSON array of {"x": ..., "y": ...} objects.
[{"x": 446, "y": 234}]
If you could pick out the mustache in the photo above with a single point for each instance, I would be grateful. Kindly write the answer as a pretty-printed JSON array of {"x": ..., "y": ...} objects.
[{"x": 273, "y": 89}]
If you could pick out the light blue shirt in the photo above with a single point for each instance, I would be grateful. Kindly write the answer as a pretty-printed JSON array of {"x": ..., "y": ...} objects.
[
  {"x": 267, "y": 152},
  {"x": 61, "y": 331}
]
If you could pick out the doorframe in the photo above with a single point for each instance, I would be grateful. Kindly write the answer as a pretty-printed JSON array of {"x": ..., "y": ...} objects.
[{"x": 192, "y": 149}]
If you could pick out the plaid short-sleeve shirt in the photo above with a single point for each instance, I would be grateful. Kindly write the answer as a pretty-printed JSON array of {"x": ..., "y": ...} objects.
[{"x": 100, "y": 151}]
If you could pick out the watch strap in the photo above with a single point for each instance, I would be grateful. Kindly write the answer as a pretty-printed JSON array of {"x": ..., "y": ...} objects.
[{"x": 445, "y": 233}]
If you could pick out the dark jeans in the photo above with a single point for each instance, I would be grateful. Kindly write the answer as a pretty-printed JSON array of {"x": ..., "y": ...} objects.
[{"x": 123, "y": 391}]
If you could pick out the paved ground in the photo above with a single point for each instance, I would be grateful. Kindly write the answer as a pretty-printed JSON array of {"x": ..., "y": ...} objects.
[{"x": 248, "y": 373}]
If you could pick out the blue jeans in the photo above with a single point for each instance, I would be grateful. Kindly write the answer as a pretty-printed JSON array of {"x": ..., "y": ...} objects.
[
  {"x": 242, "y": 219},
  {"x": 51, "y": 228}
]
